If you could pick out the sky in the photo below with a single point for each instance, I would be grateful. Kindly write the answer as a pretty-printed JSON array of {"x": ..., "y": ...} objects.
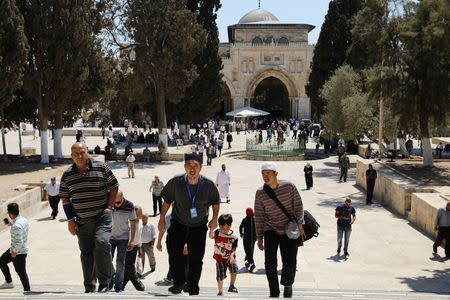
[{"x": 295, "y": 11}]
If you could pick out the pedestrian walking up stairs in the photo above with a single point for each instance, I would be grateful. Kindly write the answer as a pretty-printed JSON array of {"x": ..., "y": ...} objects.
[{"x": 160, "y": 292}]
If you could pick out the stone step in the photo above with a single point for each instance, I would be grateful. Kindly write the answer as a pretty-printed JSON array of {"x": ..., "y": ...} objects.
[{"x": 160, "y": 292}]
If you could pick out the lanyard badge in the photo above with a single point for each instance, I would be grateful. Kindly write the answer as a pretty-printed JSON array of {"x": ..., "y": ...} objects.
[{"x": 193, "y": 210}]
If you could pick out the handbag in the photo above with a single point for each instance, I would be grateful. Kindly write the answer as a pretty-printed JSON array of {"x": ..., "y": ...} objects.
[{"x": 291, "y": 229}]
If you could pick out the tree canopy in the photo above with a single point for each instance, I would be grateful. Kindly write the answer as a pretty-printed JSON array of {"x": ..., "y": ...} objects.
[{"x": 331, "y": 49}]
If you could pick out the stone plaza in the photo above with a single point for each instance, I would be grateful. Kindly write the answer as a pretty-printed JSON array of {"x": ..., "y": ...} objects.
[{"x": 390, "y": 258}]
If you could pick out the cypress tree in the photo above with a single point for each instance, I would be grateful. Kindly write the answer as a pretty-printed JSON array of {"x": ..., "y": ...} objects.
[
  {"x": 331, "y": 49},
  {"x": 202, "y": 98},
  {"x": 13, "y": 53}
]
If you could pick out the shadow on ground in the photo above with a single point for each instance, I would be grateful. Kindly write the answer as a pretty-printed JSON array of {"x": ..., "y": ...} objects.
[
  {"x": 28, "y": 164},
  {"x": 437, "y": 283},
  {"x": 438, "y": 175}
]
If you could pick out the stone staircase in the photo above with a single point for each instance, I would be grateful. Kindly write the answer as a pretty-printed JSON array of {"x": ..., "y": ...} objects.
[{"x": 160, "y": 292}]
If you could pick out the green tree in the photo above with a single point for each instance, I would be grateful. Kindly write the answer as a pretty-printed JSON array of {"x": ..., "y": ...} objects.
[
  {"x": 351, "y": 112},
  {"x": 425, "y": 57},
  {"x": 13, "y": 54},
  {"x": 202, "y": 97},
  {"x": 331, "y": 49},
  {"x": 62, "y": 38},
  {"x": 166, "y": 39}
]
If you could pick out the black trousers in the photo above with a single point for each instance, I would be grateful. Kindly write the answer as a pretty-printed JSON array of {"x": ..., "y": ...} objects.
[
  {"x": 157, "y": 202},
  {"x": 130, "y": 273},
  {"x": 195, "y": 237},
  {"x": 19, "y": 262},
  {"x": 309, "y": 181},
  {"x": 249, "y": 248},
  {"x": 370, "y": 187},
  {"x": 209, "y": 160},
  {"x": 54, "y": 202},
  {"x": 288, "y": 251},
  {"x": 443, "y": 234}
]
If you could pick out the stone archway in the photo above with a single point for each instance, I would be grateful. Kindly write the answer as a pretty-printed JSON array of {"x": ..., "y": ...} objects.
[{"x": 274, "y": 74}]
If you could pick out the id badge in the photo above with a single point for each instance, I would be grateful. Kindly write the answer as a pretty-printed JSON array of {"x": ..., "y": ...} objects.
[{"x": 193, "y": 212}]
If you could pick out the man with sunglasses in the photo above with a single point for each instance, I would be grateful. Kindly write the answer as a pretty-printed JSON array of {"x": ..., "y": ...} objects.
[{"x": 191, "y": 195}]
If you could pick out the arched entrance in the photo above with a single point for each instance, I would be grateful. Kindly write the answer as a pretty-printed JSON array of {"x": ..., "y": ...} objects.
[
  {"x": 225, "y": 100},
  {"x": 271, "y": 95}
]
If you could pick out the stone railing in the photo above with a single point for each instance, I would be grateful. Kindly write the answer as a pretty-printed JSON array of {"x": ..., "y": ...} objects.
[
  {"x": 29, "y": 204},
  {"x": 404, "y": 195}
]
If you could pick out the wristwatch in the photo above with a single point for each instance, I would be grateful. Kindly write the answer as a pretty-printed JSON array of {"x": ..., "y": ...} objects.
[{"x": 110, "y": 207}]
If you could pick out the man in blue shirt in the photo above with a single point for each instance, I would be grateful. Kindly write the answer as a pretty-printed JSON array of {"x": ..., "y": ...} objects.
[{"x": 346, "y": 216}]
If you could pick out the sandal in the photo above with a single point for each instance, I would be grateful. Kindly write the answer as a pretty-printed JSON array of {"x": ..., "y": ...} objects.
[{"x": 232, "y": 289}]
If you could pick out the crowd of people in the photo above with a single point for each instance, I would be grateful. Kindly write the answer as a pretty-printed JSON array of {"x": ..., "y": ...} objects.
[{"x": 109, "y": 226}]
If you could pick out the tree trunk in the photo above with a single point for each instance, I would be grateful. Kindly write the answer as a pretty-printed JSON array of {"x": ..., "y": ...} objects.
[
  {"x": 426, "y": 144},
  {"x": 57, "y": 138},
  {"x": 43, "y": 122},
  {"x": 5, "y": 155},
  {"x": 402, "y": 144},
  {"x": 162, "y": 121}
]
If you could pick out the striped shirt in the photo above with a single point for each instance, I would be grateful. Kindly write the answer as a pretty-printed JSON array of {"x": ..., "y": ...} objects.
[
  {"x": 268, "y": 216},
  {"x": 88, "y": 192},
  {"x": 157, "y": 187}
]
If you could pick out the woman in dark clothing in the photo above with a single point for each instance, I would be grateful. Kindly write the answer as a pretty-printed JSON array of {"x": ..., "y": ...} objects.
[
  {"x": 248, "y": 233},
  {"x": 308, "y": 176}
]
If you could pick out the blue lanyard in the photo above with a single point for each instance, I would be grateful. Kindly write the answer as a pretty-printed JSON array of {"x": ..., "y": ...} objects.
[{"x": 189, "y": 190}]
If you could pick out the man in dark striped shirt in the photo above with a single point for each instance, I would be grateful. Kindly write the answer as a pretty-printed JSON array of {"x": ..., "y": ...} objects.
[
  {"x": 88, "y": 190},
  {"x": 270, "y": 222}
]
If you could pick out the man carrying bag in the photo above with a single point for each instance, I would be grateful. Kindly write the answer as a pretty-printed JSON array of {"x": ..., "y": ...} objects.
[{"x": 271, "y": 224}]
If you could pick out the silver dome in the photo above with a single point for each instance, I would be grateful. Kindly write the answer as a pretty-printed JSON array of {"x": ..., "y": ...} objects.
[{"x": 258, "y": 15}]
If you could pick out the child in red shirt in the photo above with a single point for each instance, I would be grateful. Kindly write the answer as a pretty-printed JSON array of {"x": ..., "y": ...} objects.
[{"x": 225, "y": 244}]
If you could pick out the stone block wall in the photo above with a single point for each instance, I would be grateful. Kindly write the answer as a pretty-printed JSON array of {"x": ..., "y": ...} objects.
[
  {"x": 417, "y": 203},
  {"x": 29, "y": 204}
]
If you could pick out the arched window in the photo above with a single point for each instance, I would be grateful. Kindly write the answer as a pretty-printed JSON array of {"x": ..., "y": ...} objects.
[
  {"x": 257, "y": 41},
  {"x": 268, "y": 41},
  {"x": 283, "y": 41}
]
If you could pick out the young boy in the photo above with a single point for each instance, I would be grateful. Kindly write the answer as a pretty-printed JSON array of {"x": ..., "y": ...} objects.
[
  {"x": 225, "y": 244},
  {"x": 247, "y": 231}
]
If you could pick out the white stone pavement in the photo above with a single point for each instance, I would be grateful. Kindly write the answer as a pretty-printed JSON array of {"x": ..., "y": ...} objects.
[{"x": 386, "y": 252}]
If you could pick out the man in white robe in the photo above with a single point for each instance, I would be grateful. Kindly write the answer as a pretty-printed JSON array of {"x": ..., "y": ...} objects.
[{"x": 223, "y": 183}]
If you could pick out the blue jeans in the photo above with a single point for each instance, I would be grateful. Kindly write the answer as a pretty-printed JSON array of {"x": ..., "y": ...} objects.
[
  {"x": 340, "y": 232},
  {"x": 118, "y": 274}
]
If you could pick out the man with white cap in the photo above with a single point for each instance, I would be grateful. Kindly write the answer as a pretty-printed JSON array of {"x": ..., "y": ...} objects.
[{"x": 270, "y": 223}]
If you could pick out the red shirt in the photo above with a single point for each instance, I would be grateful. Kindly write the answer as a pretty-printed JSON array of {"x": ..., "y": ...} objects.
[{"x": 224, "y": 244}]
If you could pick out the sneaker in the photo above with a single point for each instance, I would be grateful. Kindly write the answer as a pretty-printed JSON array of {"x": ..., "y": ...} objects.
[
  {"x": 119, "y": 291},
  {"x": 175, "y": 289},
  {"x": 219, "y": 294},
  {"x": 346, "y": 253},
  {"x": 247, "y": 264},
  {"x": 228, "y": 200},
  {"x": 232, "y": 289},
  {"x": 252, "y": 268},
  {"x": 338, "y": 251},
  {"x": 7, "y": 285},
  {"x": 166, "y": 280},
  {"x": 152, "y": 269},
  {"x": 434, "y": 249},
  {"x": 287, "y": 292},
  {"x": 103, "y": 288}
]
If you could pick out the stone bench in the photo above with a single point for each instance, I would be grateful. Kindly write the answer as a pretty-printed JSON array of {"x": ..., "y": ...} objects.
[{"x": 28, "y": 151}]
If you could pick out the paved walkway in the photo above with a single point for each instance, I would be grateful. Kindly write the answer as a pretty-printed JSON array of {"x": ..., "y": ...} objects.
[{"x": 387, "y": 254}]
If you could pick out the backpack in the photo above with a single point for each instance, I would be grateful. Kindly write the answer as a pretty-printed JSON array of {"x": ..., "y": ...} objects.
[{"x": 311, "y": 226}]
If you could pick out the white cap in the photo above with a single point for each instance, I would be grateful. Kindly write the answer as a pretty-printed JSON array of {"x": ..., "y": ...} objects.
[{"x": 270, "y": 165}]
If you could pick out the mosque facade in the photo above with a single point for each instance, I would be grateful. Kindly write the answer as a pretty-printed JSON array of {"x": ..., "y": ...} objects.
[{"x": 266, "y": 65}]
